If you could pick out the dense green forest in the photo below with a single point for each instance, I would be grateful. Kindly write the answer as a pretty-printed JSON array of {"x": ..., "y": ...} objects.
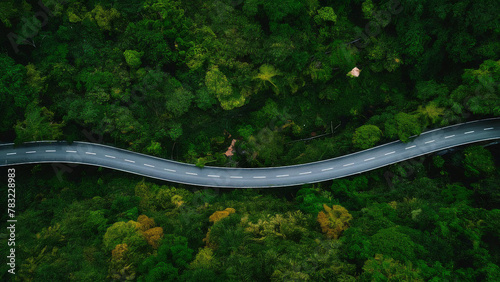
[{"x": 182, "y": 79}]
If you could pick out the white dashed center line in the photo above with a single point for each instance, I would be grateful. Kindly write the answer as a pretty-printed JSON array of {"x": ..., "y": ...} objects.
[
  {"x": 468, "y": 132},
  {"x": 149, "y": 165},
  {"x": 325, "y": 169},
  {"x": 112, "y": 157},
  {"x": 11, "y": 154},
  {"x": 89, "y": 153},
  {"x": 390, "y": 153},
  {"x": 283, "y": 175},
  {"x": 429, "y": 141},
  {"x": 211, "y": 175},
  {"x": 30, "y": 152},
  {"x": 191, "y": 173},
  {"x": 171, "y": 170},
  {"x": 489, "y": 128},
  {"x": 50, "y": 151},
  {"x": 369, "y": 159},
  {"x": 307, "y": 172},
  {"x": 446, "y": 137},
  {"x": 235, "y": 176},
  {"x": 259, "y": 177},
  {"x": 348, "y": 164},
  {"x": 70, "y": 151},
  {"x": 129, "y": 161},
  {"x": 410, "y": 147}
]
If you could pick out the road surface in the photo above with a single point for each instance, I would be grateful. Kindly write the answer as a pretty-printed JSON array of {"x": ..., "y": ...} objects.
[{"x": 119, "y": 159}]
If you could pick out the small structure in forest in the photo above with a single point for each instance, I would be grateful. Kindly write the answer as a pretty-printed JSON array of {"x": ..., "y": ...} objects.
[
  {"x": 354, "y": 72},
  {"x": 230, "y": 150}
]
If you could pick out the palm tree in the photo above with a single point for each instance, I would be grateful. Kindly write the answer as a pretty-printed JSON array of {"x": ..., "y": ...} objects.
[{"x": 266, "y": 73}]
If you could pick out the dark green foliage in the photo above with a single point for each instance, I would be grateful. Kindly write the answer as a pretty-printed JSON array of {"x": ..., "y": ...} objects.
[
  {"x": 478, "y": 161},
  {"x": 394, "y": 244},
  {"x": 15, "y": 93},
  {"x": 349, "y": 192},
  {"x": 123, "y": 203},
  {"x": 403, "y": 126},
  {"x": 181, "y": 79},
  {"x": 171, "y": 259},
  {"x": 311, "y": 200}
]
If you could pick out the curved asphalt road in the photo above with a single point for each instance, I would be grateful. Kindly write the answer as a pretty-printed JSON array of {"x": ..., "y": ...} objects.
[{"x": 119, "y": 159}]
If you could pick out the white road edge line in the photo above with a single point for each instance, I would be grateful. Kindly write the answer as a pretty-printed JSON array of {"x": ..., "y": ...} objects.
[
  {"x": 259, "y": 177},
  {"x": 307, "y": 172},
  {"x": 283, "y": 175},
  {"x": 129, "y": 161},
  {"x": 235, "y": 176},
  {"x": 469, "y": 132},
  {"x": 429, "y": 141},
  {"x": 348, "y": 164},
  {"x": 70, "y": 151},
  {"x": 410, "y": 147},
  {"x": 191, "y": 173},
  {"x": 449, "y": 136},
  {"x": 171, "y": 170},
  {"x": 108, "y": 156},
  {"x": 211, "y": 175},
  {"x": 11, "y": 154},
  {"x": 89, "y": 153},
  {"x": 390, "y": 153},
  {"x": 149, "y": 165},
  {"x": 489, "y": 128},
  {"x": 50, "y": 151},
  {"x": 325, "y": 169},
  {"x": 369, "y": 159},
  {"x": 30, "y": 152}
]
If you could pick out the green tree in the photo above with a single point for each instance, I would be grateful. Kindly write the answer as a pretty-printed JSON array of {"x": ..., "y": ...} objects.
[
  {"x": 133, "y": 58},
  {"x": 179, "y": 101},
  {"x": 15, "y": 93},
  {"x": 124, "y": 232},
  {"x": 38, "y": 125},
  {"x": 456, "y": 193},
  {"x": 325, "y": 14},
  {"x": 102, "y": 17},
  {"x": 162, "y": 272},
  {"x": 384, "y": 268},
  {"x": 218, "y": 84},
  {"x": 404, "y": 126},
  {"x": 391, "y": 242},
  {"x": 366, "y": 136},
  {"x": 427, "y": 90},
  {"x": 478, "y": 161},
  {"x": 311, "y": 200}
]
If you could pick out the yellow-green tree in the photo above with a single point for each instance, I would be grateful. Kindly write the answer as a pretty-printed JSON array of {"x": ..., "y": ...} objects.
[
  {"x": 430, "y": 113},
  {"x": 266, "y": 74},
  {"x": 366, "y": 136},
  {"x": 382, "y": 268},
  {"x": 133, "y": 58},
  {"x": 123, "y": 232},
  {"x": 334, "y": 220},
  {"x": 103, "y": 17},
  {"x": 204, "y": 259},
  {"x": 218, "y": 84},
  {"x": 291, "y": 226}
]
